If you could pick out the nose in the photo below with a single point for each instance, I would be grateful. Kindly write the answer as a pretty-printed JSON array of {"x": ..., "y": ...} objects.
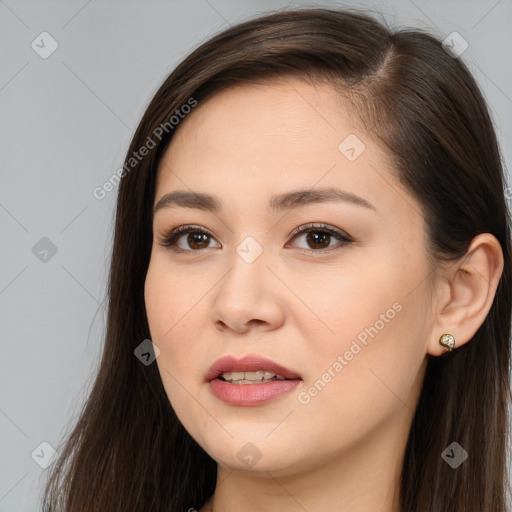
[{"x": 247, "y": 296}]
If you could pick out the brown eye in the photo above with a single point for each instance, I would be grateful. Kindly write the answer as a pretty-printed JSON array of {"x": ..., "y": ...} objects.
[
  {"x": 197, "y": 239},
  {"x": 319, "y": 237}
]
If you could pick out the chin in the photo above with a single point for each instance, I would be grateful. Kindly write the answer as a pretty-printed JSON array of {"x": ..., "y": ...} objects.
[{"x": 254, "y": 454}]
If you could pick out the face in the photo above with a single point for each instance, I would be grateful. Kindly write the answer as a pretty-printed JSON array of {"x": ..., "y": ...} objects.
[{"x": 333, "y": 287}]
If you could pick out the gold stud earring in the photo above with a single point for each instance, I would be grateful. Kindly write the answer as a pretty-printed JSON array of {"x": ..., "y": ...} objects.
[{"x": 447, "y": 340}]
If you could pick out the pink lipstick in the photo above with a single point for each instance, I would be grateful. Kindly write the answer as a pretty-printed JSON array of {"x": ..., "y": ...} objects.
[{"x": 252, "y": 380}]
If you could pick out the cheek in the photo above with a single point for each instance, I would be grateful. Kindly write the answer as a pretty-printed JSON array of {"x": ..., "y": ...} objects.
[
  {"x": 169, "y": 297},
  {"x": 368, "y": 369},
  {"x": 340, "y": 305},
  {"x": 370, "y": 313},
  {"x": 173, "y": 306},
  {"x": 354, "y": 387}
]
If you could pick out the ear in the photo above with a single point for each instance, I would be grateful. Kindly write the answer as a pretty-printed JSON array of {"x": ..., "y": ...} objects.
[{"x": 465, "y": 291}]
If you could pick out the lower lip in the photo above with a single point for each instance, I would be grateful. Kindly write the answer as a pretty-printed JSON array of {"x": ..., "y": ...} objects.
[{"x": 251, "y": 394}]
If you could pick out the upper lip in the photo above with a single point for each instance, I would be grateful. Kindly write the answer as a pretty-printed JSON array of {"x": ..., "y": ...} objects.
[{"x": 248, "y": 363}]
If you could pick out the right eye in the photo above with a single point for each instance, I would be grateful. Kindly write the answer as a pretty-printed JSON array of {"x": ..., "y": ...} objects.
[{"x": 196, "y": 240}]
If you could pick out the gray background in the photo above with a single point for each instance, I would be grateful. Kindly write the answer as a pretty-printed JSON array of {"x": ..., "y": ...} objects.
[{"x": 66, "y": 122}]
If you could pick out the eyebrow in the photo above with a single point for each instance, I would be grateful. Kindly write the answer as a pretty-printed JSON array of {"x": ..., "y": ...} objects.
[{"x": 277, "y": 203}]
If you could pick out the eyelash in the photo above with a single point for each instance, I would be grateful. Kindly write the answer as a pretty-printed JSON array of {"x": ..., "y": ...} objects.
[{"x": 170, "y": 237}]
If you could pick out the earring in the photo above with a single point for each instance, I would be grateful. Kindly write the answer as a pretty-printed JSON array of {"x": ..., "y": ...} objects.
[{"x": 448, "y": 341}]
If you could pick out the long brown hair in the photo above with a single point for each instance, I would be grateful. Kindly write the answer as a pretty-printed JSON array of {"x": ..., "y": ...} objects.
[{"x": 128, "y": 451}]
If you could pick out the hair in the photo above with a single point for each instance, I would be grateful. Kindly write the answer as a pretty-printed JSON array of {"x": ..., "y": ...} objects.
[{"x": 128, "y": 451}]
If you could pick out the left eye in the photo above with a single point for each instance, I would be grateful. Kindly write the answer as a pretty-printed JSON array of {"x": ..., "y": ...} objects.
[
  {"x": 321, "y": 238},
  {"x": 318, "y": 236}
]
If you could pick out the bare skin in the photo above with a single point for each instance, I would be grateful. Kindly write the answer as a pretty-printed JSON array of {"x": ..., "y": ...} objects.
[{"x": 342, "y": 448}]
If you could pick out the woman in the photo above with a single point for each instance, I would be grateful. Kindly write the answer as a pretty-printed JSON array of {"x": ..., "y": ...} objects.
[{"x": 314, "y": 202}]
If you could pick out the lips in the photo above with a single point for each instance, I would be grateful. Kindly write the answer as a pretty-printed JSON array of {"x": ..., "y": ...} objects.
[{"x": 249, "y": 363}]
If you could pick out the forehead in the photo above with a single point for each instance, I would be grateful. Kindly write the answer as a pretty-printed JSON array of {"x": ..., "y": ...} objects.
[
  {"x": 257, "y": 140},
  {"x": 289, "y": 117}
]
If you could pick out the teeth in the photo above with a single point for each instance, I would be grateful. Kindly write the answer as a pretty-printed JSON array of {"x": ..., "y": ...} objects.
[{"x": 251, "y": 377}]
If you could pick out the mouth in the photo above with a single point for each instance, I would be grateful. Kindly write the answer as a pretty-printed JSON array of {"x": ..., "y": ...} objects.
[
  {"x": 257, "y": 377},
  {"x": 251, "y": 369},
  {"x": 250, "y": 381}
]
